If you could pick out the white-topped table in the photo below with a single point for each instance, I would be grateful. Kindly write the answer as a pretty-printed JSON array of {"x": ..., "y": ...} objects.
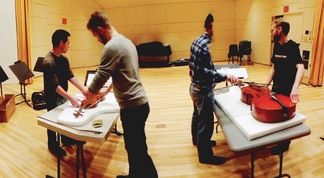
[
  {"x": 238, "y": 142},
  {"x": 84, "y": 133},
  {"x": 240, "y": 113}
]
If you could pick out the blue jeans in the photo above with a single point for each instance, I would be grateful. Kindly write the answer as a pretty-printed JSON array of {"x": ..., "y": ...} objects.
[
  {"x": 202, "y": 123},
  {"x": 133, "y": 122}
]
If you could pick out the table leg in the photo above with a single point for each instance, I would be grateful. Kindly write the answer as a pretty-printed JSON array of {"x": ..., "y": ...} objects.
[
  {"x": 80, "y": 152},
  {"x": 77, "y": 161},
  {"x": 82, "y": 161},
  {"x": 216, "y": 122},
  {"x": 252, "y": 164},
  {"x": 58, "y": 157},
  {"x": 115, "y": 131},
  {"x": 280, "y": 167}
]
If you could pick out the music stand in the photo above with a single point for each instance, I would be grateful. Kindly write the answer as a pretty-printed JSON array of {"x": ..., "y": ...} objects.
[
  {"x": 89, "y": 78},
  {"x": 3, "y": 77},
  {"x": 39, "y": 65},
  {"x": 22, "y": 73}
]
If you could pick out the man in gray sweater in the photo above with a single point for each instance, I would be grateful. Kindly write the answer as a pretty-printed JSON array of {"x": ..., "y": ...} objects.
[{"x": 120, "y": 61}]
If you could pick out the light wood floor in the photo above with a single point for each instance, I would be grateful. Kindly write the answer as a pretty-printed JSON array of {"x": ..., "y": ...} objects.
[{"x": 23, "y": 145}]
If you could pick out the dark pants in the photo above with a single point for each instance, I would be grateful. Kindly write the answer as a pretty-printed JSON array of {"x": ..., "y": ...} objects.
[
  {"x": 51, "y": 135},
  {"x": 202, "y": 123},
  {"x": 133, "y": 122}
]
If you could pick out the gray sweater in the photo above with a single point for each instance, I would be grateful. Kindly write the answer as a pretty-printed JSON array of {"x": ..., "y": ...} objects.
[{"x": 120, "y": 61}]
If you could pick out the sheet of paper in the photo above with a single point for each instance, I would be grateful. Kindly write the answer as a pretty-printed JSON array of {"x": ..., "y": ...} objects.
[{"x": 238, "y": 72}]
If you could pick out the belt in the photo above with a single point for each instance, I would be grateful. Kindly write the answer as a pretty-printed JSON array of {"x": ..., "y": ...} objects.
[{"x": 196, "y": 89}]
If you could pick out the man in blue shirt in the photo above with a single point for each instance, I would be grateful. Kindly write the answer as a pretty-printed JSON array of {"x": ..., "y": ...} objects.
[{"x": 203, "y": 80}]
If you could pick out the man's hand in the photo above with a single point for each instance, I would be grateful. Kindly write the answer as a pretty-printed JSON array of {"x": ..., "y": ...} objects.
[
  {"x": 234, "y": 80},
  {"x": 75, "y": 102},
  {"x": 89, "y": 97},
  {"x": 294, "y": 95}
]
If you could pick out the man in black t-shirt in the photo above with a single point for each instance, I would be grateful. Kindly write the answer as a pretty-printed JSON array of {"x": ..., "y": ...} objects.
[
  {"x": 57, "y": 74},
  {"x": 287, "y": 68}
]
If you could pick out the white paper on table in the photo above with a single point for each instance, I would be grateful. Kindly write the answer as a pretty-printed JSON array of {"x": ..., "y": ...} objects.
[{"x": 238, "y": 72}]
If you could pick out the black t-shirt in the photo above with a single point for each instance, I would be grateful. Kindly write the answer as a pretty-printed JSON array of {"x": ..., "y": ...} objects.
[
  {"x": 285, "y": 58},
  {"x": 57, "y": 72}
]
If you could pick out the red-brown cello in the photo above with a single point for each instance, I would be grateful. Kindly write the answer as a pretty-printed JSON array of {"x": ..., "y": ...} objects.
[{"x": 266, "y": 106}]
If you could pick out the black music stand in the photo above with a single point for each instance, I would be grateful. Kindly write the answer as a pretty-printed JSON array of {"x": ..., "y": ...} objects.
[
  {"x": 22, "y": 73},
  {"x": 3, "y": 77},
  {"x": 89, "y": 77},
  {"x": 39, "y": 65}
]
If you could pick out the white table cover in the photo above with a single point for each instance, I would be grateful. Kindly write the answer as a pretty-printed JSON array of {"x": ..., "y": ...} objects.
[
  {"x": 241, "y": 115},
  {"x": 109, "y": 105}
]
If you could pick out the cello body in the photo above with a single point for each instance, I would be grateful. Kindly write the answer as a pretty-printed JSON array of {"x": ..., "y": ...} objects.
[
  {"x": 248, "y": 93},
  {"x": 264, "y": 107}
]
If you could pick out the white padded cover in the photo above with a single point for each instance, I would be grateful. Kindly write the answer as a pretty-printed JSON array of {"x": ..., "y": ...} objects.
[
  {"x": 240, "y": 114},
  {"x": 109, "y": 105}
]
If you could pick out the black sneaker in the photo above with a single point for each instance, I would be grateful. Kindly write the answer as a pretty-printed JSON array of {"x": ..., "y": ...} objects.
[
  {"x": 57, "y": 151},
  {"x": 214, "y": 160},
  {"x": 122, "y": 176},
  {"x": 212, "y": 143}
]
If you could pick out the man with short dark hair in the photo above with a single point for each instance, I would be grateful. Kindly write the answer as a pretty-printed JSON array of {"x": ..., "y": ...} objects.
[
  {"x": 57, "y": 74},
  {"x": 204, "y": 77}
]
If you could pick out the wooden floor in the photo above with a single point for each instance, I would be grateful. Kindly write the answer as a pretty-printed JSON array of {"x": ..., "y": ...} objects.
[{"x": 23, "y": 145}]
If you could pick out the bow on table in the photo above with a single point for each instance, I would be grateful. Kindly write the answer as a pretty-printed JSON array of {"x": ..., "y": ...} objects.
[
  {"x": 85, "y": 106},
  {"x": 88, "y": 104}
]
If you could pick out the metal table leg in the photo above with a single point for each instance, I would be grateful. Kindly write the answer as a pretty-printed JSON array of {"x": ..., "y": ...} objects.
[
  {"x": 80, "y": 152},
  {"x": 115, "y": 131},
  {"x": 83, "y": 163},
  {"x": 252, "y": 164},
  {"x": 280, "y": 167},
  {"x": 58, "y": 157},
  {"x": 77, "y": 162}
]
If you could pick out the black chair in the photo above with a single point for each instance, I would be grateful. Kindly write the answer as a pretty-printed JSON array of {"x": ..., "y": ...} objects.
[
  {"x": 245, "y": 52},
  {"x": 233, "y": 52}
]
